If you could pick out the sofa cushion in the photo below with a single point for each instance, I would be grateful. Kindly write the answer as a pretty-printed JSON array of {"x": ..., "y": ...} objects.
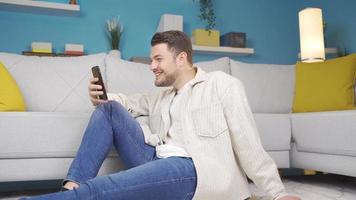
[
  {"x": 325, "y": 86},
  {"x": 269, "y": 88},
  {"x": 220, "y": 64},
  {"x": 41, "y": 134},
  {"x": 128, "y": 77},
  {"x": 274, "y": 130},
  {"x": 53, "y": 83},
  {"x": 11, "y": 98},
  {"x": 330, "y": 132}
]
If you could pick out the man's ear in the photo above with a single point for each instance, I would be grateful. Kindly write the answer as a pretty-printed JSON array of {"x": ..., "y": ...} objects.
[{"x": 182, "y": 58}]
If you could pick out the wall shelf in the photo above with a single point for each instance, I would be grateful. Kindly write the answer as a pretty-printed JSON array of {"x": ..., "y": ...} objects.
[
  {"x": 223, "y": 50},
  {"x": 39, "y": 7},
  {"x": 327, "y": 51},
  {"x": 330, "y": 50},
  {"x": 206, "y": 50}
]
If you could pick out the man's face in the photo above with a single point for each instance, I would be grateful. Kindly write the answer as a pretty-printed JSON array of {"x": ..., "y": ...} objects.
[{"x": 163, "y": 65}]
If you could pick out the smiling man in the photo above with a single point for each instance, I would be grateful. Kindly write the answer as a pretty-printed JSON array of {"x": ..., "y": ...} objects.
[{"x": 196, "y": 139}]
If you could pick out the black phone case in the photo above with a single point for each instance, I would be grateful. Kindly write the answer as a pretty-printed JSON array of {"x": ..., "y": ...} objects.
[{"x": 96, "y": 73}]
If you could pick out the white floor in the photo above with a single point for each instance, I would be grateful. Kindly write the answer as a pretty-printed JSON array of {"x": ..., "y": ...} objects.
[{"x": 318, "y": 187}]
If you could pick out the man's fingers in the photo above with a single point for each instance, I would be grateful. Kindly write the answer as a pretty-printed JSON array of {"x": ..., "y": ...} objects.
[
  {"x": 94, "y": 87},
  {"x": 95, "y": 93},
  {"x": 93, "y": 80}
]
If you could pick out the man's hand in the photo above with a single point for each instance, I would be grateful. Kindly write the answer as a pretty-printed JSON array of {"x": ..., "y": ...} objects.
[
  {"x": 289, "y": 198},
  {"x": 95, "y": 91}
]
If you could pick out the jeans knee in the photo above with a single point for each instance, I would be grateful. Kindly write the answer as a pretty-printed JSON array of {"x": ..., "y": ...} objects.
[{"x": 110, "y": 106}]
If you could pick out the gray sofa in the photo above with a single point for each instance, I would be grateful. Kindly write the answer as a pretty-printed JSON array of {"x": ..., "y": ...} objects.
[{"x": 40, "y": 144}]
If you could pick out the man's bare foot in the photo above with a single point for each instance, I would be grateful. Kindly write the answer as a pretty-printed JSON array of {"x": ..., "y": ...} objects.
[{"x": 70, "y": 185}]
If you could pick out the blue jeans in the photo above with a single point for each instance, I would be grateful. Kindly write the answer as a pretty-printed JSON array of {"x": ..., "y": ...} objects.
[{"x": 147, "y": 176}]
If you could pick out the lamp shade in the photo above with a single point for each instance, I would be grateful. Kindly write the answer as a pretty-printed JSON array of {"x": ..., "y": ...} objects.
[{"x": 311, "y": 35}]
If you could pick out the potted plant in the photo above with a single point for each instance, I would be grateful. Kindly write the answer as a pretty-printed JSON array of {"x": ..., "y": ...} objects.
[
  {"x": 114, "y": 30},
  {"x": 207, "y": 36},
  {"x": 207, "y": 14}
]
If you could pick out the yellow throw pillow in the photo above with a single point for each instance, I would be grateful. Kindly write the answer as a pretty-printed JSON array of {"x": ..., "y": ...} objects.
[
  {"x": 11, "y": 98},
  {"x": 325, "y": 86}
]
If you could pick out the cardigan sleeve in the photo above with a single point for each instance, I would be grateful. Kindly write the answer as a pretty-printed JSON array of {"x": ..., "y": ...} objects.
[
  {"x": 254, "y": 160},
  {"x": 137, "y": 104}
]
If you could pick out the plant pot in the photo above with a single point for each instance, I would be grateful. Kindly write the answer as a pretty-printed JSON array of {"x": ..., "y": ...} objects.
[
  {"x": 115, "y": 53},
  {"x": 206, "y": 37}
]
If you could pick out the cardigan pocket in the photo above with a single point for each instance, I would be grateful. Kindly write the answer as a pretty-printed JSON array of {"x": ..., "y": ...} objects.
[{"x": 209, "y": 121}]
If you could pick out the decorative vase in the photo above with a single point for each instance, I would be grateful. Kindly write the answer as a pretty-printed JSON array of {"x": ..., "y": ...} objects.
[
  {"x": 206, "y": 37},
  {"x": 115, "y": 53}
]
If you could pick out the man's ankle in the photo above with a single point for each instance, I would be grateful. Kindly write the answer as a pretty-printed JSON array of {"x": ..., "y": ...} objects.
[{"x": 70, "y": 185}]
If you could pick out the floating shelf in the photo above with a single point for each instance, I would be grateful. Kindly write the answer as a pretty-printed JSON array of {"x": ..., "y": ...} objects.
[
  {"x": 223, "y": 50},
  {"x": 140, "y": 59},
  {"x": 39, "y": 7},
  {"x": 327, "y": 51},
  {"x": 330, "y": 50}
]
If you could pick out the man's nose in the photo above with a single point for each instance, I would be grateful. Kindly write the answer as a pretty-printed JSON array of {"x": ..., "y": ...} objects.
[{"x": 153, "y": 65}]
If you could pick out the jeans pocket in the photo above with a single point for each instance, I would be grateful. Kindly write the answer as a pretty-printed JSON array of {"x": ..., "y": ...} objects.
[{"x": 209, "y": 121}]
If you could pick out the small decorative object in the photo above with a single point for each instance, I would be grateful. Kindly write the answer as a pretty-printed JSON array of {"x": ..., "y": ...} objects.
[
  {"x": 311, "y": 35},
  {"x": 74, "y": 49},
  {"x": 41, "y": 47},
  {"x": 233, "y": 39},
  {"x": 114, "y": 30},
  {"x": 206, "y": 38},
  {"x": 73, "y": 2},
  {"x": 170, "y": 22}
]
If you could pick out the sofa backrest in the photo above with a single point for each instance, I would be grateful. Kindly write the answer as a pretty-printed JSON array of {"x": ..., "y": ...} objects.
[
  {"x": 53, "y": 83},
  {"x": 220, "y": 64},
  {"x": 269, "y": 87},
  {"x": 128, "y": 77},
  {"x": 60, "y": 83}
]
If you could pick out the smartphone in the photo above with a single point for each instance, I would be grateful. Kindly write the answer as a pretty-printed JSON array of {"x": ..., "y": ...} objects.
[{"x": 96, "y": 73}]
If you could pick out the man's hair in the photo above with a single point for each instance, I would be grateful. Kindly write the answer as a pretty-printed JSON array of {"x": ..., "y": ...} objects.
[{"x": 177, "y": 42}]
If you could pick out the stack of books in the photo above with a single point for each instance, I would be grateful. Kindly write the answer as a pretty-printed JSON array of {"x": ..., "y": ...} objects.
[
  {"x": 41, "y": 47},
  {"x": 74, "y": 49}
]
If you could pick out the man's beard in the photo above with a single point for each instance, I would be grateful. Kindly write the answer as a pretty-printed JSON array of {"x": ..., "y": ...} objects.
[{"x": 168, "y": 81}]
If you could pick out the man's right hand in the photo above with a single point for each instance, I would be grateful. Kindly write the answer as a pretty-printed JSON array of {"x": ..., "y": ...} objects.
[{"x": 94, "y": 92}]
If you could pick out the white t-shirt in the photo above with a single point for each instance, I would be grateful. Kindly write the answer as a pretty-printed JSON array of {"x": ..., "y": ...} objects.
[{"x": 174, "y": 145}]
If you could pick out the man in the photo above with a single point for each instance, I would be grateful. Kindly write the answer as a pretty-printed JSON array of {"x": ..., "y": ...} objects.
[{"x": 194, "y": 140}]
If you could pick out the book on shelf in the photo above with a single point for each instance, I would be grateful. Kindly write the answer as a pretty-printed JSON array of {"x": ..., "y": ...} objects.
[
  {"x": 74, "y": 47},
  {"x": 41, "y": 47},
  {"x": 41, "y": 50},
  {"x": 79, "y": 53}
]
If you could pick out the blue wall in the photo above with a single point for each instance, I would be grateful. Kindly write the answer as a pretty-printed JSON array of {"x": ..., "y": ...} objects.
[{"x": 271, "y": 26}]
